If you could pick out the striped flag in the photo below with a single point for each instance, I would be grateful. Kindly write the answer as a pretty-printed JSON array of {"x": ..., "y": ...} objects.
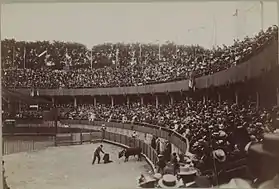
[{"x": 42, "y": 53}]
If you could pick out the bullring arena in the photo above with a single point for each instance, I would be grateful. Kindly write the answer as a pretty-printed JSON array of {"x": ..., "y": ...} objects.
[
  {"x": 167, "y": 95},
  {"x": 70, "y": 167}
]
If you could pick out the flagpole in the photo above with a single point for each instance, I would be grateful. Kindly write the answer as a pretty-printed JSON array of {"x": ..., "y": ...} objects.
[
  {"x": 140, "y": 51},
  {"x": 13, "y": 56},
  {"x": 91, "y": 59},
  {"x": 262, "y": 15},
  {"x": 159, "y": 46},
  {"x": 236, "y": 23},
  {"x": 24, "y": 61},
  {"x": 215, "y": 30}
]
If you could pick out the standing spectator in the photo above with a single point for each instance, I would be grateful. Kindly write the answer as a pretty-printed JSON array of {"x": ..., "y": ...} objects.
[
  {"x": 153, "y": 142},
  {"x": 175, "y": 163},
  {"x": 158, "y": 145}
]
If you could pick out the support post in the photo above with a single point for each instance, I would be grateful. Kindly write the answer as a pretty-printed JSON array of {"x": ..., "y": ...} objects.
[
  {"x": 257, "y": 100},
  {"x": 142, "y": 100},
  {"x": 219, "y": 99},
  {"x": 157, "y": 102},
  {"x": 94, "y": 101},
  {"x": 128, "y": 101},
  {"x": 53, "y": 100},
  {"x": 171, "y": 99},
  {"x": 75, "y": 102},
  {"x": 236, "y": 97},
  {"x": 112, "y": 101}
]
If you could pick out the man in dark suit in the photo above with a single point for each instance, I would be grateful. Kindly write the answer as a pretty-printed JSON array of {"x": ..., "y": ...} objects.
[{"x": 97, "y": 154}]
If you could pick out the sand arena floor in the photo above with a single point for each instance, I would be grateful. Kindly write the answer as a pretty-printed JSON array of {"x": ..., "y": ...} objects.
[{"x": 69, "y": 167}]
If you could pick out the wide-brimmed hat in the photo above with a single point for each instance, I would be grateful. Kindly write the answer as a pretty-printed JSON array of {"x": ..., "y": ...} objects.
[
  {"x": 168, "y": 181},
  {"x": 236, "y": 183},
  {"x": 202, "y": 182},
  {"x": 157, "y": 176},
  {"x": 149, "y": 182},
  {"x": 187, "y": 170},
  {"x": 219, "y": 155},
  {"x": 263, "y": 157}
]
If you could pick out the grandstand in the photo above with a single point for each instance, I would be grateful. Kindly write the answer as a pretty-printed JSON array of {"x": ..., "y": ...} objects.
[{"x": 223, "y": 98}]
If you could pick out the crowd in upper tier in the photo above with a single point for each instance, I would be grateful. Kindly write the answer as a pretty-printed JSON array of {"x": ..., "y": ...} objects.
[{"x": 45, "y": 64}]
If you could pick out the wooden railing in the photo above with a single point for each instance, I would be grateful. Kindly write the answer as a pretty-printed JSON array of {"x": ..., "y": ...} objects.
[
  {"x": 175, "y": 138},
  {"x": 24, "y": 142}
]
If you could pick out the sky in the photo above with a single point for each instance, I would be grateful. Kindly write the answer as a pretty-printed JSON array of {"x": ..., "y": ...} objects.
[{"x": 203, "y": 23}]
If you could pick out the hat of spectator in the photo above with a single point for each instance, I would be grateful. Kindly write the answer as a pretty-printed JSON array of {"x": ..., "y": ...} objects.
[
  {"x": 187, "y": 170},
  {"x": 200, "y": 182},
  {"x": 222, "y": 133},
  {"x": 168, "y": 181},
  {"x": 157, "y": 176},
  {"x": 263, "y": 157},
  {"x": 219, "y": 155},
  {"x": 149, "y": 182}
]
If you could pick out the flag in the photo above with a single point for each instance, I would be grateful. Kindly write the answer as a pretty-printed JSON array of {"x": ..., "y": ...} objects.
[
  {"x": 42, "y": 53},
  {"x": 236, "y": 13}
]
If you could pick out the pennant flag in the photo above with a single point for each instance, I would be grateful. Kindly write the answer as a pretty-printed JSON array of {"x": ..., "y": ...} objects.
[
  {"x": 42, "y": 53},
  {"x": 236, "y": 13}
]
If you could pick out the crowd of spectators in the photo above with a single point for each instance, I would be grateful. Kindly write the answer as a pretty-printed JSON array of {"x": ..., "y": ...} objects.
[
  {"x": 55, "y": 64},
  {"x": 224, "y": 125}
]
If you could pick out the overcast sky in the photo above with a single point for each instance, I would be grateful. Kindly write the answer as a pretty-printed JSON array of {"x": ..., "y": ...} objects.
[{"x": 95, "y": 23}]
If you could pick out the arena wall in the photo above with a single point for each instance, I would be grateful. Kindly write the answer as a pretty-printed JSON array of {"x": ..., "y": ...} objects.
[{"x": 176, "y": 139}]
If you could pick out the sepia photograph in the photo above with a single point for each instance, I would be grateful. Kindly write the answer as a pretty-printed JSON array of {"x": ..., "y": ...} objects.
[{"x": 140, "y": 95}]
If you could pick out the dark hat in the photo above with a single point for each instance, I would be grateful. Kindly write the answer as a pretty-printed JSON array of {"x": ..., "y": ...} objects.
[{"x": 263, "y": 158}]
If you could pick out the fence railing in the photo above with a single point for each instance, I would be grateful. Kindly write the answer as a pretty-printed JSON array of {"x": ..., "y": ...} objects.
[
  {"x": 175, "y": 138},
  {"x": 26, "y": 143},
  {"x": 150, "y": 153},
  {"x": 32, "y": 142}
]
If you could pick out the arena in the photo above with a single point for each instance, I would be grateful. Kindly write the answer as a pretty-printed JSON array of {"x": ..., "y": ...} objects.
[
  {"x": 69, "y": 167},
  {"x": 197, "y": 115}
]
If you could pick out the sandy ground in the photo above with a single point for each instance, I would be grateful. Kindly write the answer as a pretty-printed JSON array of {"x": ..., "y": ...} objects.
[{"x": 69, "y": 167}]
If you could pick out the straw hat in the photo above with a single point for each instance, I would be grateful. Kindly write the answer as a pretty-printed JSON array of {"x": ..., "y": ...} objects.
[
  {"x": 187, "y": 170},
  {"x": 168, "y": 181},
  {"x": 157, "y": 176},
  {"x": 219, "y": 155}
]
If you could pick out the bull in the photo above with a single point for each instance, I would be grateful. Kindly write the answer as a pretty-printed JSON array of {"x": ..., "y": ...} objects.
[{"x": 130, "y": 152}]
